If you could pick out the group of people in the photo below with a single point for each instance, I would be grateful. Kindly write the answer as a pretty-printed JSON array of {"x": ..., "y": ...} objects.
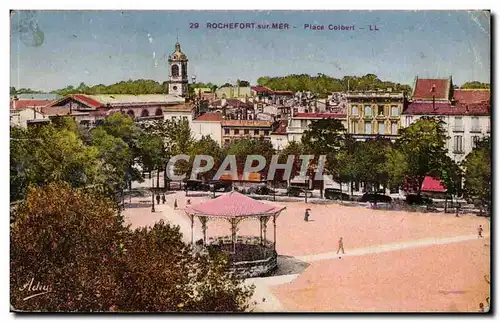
[
  {"x": 163, "y": 199},
  {"x": 341, "y": 241}
]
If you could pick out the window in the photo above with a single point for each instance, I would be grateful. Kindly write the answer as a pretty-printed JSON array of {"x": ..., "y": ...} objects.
[
  {"x": 236, "y": 131},
  {"x": 394, "y": 128},
  {"x": 381, "y": 110},
  {"x": 408, "y": 120},
  {"x": 368, "y": 128},
  {"x": 381, "y": 128},
  {"x": 174, "y": 118},
  {"x": 246, "y": 131},
  {"x": 303, "y": 124},
  {"x": 226, "y": 131},
  {"x": 458, "y": 144},
  {"x": 368, "y": 110},
  {"x": 354, "y": 127},
  {"x": 175, "y": 71},
  {"x": 459, "y": 127},
  {"x": 256, "y": 132},
  {"x": 266, "y": 132},
  {"x": 354, "y": 110},
  {"x": 475, "y": 124},
  {"x": 185, "y": 118},
  {"x": 394, "y": 110},
  {"x": 226, "y": 141},
  {"x": 475, "y": 139}
]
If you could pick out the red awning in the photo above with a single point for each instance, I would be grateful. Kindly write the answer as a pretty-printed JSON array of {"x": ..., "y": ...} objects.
[
  {"x": 233, "y": 204},
  {"x": 432, "y": 184}
]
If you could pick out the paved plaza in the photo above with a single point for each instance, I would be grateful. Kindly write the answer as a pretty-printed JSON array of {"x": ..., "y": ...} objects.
[{"x": 394, "y": 261}]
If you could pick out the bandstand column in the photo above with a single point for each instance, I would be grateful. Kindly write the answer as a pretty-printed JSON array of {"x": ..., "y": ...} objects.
[
  {"x": 203, "y": 221},
  {"x": 274, "y": 222},
  {"x": 192, "y": 229},
  {"x": 233, "y": 233}
]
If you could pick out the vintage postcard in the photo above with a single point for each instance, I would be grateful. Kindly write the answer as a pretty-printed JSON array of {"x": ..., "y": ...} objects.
[{"x": 250, "y": 161}]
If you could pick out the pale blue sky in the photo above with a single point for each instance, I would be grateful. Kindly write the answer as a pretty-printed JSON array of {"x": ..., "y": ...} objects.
[{"x": 109, "y": 46}]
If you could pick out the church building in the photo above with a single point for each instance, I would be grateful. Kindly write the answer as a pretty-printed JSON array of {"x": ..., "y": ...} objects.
[{"x": 178, "y": 74}]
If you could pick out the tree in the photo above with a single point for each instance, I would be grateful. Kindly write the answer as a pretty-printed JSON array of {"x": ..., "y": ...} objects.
[
  {"x": 477, "y": 164},
  {"x": 41, "y": 155},
  {"x": 206, "y": 146},
  {"x": 423, "y": 145},
  {"x": 475, "y": 85},
  {"x": 75, "y": 243},
  {"x": 371, "y": 162},
  {"x": 116, "y": 157},
  {"x": 242, "y": 148},
  {"x": 68, "y": 241},
  {"x": 243, "y": 83}
]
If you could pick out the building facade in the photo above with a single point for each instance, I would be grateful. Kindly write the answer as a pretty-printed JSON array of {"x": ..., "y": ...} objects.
[
  {"x": 373, "y": 113},
  {"x": 300, "y": 122},
  {"x": 233, "y": 130},
  {"x": 465, "y": 113},
  {"x": 208, "y": 124}
]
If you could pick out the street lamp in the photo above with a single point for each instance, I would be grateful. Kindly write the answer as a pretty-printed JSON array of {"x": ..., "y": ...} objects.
[{"x": 153, "y": 194}]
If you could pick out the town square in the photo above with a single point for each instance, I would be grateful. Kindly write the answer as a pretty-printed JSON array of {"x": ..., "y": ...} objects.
[{"x": 205, "y": 163}]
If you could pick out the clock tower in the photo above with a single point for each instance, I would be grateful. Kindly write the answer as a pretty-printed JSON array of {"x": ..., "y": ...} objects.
[{"x": 177, "y": 69}]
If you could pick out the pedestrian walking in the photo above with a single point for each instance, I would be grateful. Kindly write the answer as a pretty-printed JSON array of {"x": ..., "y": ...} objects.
[
  {"x": 341, "y": 246},
  {"x": 480, "y": 231},
  {"x": 188, "y": 202},
  {"x": 163, "y": 199},
  {"x": 175, "y": 204},
  {"x": 487, "y": 308},
  {"x": 157, "y": 199},
  {"x": 481, "y": 307},
  {"x": 307, "y": 214}
]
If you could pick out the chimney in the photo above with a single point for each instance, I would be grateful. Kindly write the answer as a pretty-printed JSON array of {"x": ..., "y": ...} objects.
[{"x": 14, "y": 102}]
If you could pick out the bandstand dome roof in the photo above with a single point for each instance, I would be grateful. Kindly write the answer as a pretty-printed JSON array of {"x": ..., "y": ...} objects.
[{"x": 232, "y": 205}]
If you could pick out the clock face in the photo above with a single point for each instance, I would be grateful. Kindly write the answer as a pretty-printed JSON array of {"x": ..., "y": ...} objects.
[{"x": 174, "y": 88}]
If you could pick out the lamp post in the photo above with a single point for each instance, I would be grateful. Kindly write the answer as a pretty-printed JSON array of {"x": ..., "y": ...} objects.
[{"x": 153, "y": 195}]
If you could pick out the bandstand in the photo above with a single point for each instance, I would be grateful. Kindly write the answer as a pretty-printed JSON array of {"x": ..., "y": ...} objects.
[{"x": 249, "y": 256}]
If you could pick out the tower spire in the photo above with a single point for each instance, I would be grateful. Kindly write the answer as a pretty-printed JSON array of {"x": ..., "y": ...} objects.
[{"x": 177, "y": 31}]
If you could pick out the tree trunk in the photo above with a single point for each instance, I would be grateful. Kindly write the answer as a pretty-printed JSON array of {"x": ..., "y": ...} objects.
[
  {"x": 158, "y": 178},
  {"x": 165, "y": 178}
]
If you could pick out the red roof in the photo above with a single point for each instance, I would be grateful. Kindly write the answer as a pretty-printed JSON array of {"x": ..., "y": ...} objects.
[
  {"x": 23, "y": 104},
  {"x": 426, "y": 88},
  {"x": 262, "y": 89},
  {"x": 233, "y": 204},
  {"x": 281, "y": 129},
  {"x": 471, "y": 95},
  {"x": 232, "y": 102},
  {"x": 439, "y": 108},
  {"x": 320, "y": 115},
  {"x": 283, "y": 93},
  {"x": 86, "y": 100},
  {"x": 431, "y": 184},
  {"x": 209, "y": 117}
]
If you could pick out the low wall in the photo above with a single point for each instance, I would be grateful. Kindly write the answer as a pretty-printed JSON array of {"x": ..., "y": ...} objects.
[{"x": 256, "y": 268}]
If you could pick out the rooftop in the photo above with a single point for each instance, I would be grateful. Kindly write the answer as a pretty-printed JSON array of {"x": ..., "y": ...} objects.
[
  {"x": 56, "y": 110},
  {"x": 427, "y": 88},
  {"x": 24, "y": 104},
  {"x": 375, "y": 94},
  {"x": 319, "y": 115},
  {"x": 445, "y": 108},
  {"x": 178, "y": 108},
  {"x": 471, "y": 95},
  {"x": 135, "y": 99},
  {"x": 281, "y": 128},
  {"x": 209, "y": 117},
  {"x": 234, "y": 204},
  {"x": 247, "y": 123}
]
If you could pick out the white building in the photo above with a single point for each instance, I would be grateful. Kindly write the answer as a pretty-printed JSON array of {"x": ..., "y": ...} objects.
[
  {"x": 465, "y": 113},
  {"x": 208, "y": 124},
  {"x": 24, "y": 117}
]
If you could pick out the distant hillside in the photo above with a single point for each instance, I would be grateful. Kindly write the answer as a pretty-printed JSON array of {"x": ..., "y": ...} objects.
[{"x": 323, "y": 84}]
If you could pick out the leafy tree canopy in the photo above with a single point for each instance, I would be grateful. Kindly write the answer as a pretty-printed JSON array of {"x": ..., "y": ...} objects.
[
  {"x": 76, "y": 244},
  {"x": 324, "y": 85},
  {"x": 475, "y": 85}
]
